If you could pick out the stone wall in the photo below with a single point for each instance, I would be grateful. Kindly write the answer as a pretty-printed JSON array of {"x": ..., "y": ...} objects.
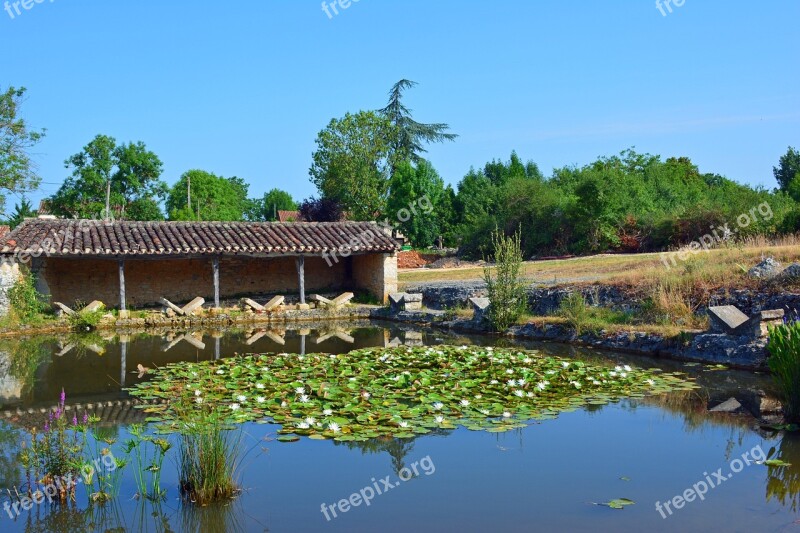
[
  {"x": 9, "y": 274},
  {"x": 377, "y": 273},
  {"x": 180, "y": 280}
]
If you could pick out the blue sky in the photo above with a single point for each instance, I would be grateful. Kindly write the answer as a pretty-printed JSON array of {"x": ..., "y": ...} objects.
[{"x": 242, "y": 88}]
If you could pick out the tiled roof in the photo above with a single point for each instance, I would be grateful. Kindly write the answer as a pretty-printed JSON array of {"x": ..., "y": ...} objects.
[
  {"x": 289, "y": 216},
  {"x": 4, "y": 230},
  {"x": 62, "y": 237}
]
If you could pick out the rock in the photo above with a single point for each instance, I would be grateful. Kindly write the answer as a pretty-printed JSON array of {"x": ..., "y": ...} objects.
[
  {"x": 767, "y": 269},
  {"x": 95, "y": 306},
  {"x": 193, "y": 306},
  {"x": 731, "y": 405},
  {"x": 791, "y": 273},
  {"x": 480, "y": 306},
  {"x": 740, "y": 352}
]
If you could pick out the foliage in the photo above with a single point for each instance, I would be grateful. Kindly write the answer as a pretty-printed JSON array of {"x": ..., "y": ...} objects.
[
  {"x": 22, "y": 210},
  {"x": 784, "y": 362},
  {"x": 321, "y": 210},
  {"x": 399, "y": 392},
  {"x": 788, "y": 169},
  {"x": 213, "y": 198},
  {"x": 351, "y": 163},
  {"x": 632, "y": 202},
  {"x": 574, "y": 309},
  {"x": 410, "y": 135},
  {"x": 276, "y": 200},
  {"x": 417, "y": 196},
  {"x": 148, "y": 452},
  {"x": 504, "y": 285},
  {"x": 132, "y": 171},
  {"x": 55, "y": 453},
  {"x": 26, "y": 304},
  {"x": 17, "y": 171}
]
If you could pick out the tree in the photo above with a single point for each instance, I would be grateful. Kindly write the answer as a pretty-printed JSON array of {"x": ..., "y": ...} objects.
[
  {"x": 410, "y": 135},
  {"x": 17, "y": 171},
  {"x": 321, "y": 210},
  {"x": 22, "y": 210},
  {"x": 274, "y": 201},
  {"x": 788, "y": 169},
  {"x": 417, "y": 192},
  {"x": 129, "y": 174},
  {"x": 351, "y": 163},
  {"x": 201, "y": 195},
  {"x": 504, "y": 284}
]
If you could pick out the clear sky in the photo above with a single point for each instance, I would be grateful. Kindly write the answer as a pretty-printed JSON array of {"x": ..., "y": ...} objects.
[{"x": 243, "y": 87}]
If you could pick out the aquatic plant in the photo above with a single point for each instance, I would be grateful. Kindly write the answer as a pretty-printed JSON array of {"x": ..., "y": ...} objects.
[
  {"x": 101, "y": 470},
  {"x": 784, "y": 362},
  {"x": 399, "y": 392},
  {"x": 54, "y": 454},
  {"x": 148, "y": 454}
]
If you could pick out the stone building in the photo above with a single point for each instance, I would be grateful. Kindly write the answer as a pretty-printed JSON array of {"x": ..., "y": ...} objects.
[{"x": 130, "y": 264}]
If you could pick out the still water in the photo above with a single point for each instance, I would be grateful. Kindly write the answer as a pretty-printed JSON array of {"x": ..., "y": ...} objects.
[{"x": 545, "y": 477}]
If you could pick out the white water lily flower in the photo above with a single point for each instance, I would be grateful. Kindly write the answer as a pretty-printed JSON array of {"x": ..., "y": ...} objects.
[
  {"x": 511, "y": 383},
  {"x": 519, "y": 393},
  {"x": 489, "y": 349},
  {"x": 624, "y": 375},
  {"x": 366, "y": 395},
  {"x": 506, "y": 414},
  {"x": 627, "y": 368},
  {"x": 310, "y": 421},
  {"x": 304, "y": 398},
  {"x": 464, "y": 403},
  {"x": 284, "y": 404},
  {"x": 612, "y": 374},
  {"x": 242, "y": 398},
  {"x": 333, "y": 426},
  {"x": 542, "y": 385},
  {"x": 302, "y": 425},
  {"x": 575, "y": 384},
  {"x": 521, "y": 382},
  {"x": 261, "y": 399},
  {"x": 403, "y": 424},
  {"x": 530, "y": 395},
  {"x": 565, "y": 364},
  {"x": 327, "y": 412},
  {"x": 197, "y": 393},
  {"x": 234, "y": 406},
  {"x": 439, "y": 419},
  {"x": 259, "y": 385},
  {"x": 438, "y": 406},
  {"x": 485, "y": 412},
  {"x": 618, "y": 368},
  {"x": 509, "y": 371},
  {"x": 478, "y": 396},
  {"x": 198, "y": 400},
  {"x": 595, "y": 382},
  {"x": 494, "y": 382},
  {"x": 220, "y": 371},
  {"x": 550, "y": 372},
  {"x": 527, "y": 360},
  {"x": 650, "y": 382},
  {"x": 300, "y": 390}
]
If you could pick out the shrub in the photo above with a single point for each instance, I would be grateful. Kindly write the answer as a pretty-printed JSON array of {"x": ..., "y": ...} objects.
[
  {"x": 784, "y": 362},
  {"x": 26, "y": 304},
  {"x": 506, "y": 290},
  {"x": 575, "y": 311}
]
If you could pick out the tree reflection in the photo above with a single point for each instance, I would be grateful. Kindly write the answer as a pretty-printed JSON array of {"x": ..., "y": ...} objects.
[{"x": 783, "y": 482}]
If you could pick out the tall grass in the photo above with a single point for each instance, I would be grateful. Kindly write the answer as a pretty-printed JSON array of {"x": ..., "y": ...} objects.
[
  {"x": 208, "y": 456},
  {"x": 784, "y": 362}
]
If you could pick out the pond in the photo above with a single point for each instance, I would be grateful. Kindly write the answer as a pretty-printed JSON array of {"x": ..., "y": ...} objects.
[{"x": 545, "y": 476}]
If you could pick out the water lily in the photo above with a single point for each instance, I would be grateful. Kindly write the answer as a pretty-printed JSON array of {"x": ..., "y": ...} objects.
[
  {"x": 303, "y": 425},
  {"x": 650, "y": 382},
  {"x": 259, "y": 385},
  {"x": 627, "y": 368},
  {"x": 511, "y": 383},
  {"x": 506, "y": 414},
  {"x": 300, "y": 390},
  {"x": 519, "y": 393},
  {"x": 333, "y": 426},
  {"x": 327, "y": 412},
  {"x": 403, "y": 424},
  {"x": 565, "y": 364},
  {"x": 261, "y": 399},
  {"x": 542, "y": 385},
  {"x": 284, "y": 404},
  {"x": 242, "y": 398},
  {"x": 197, "y": 393},
  {"x": 220, "y": 371},
  {"x": 235, "y": 407},
  {"x": 464, "y": 403},
  {"x": 310, "y": 421},
  {"x": 198, "y": 400},
  {"x": 439, "y": 419},
  {"x": 304, "y": 398},
  {"x": 365, "y": 395},
  {"x": 438, "y": 406},
  {"x": 494, "y": 382}
]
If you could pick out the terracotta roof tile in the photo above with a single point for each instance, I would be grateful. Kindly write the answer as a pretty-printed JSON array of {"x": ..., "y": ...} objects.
[{"x": 126, "y": 238}]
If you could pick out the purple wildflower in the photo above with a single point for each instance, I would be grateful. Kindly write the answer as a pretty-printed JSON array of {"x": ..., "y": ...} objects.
[
  {"x": 47, "y": 426},
  {"x": 75, "y": 420},
  {"x": 85, "y": 418},
  {"x": 63, "y": 396}
]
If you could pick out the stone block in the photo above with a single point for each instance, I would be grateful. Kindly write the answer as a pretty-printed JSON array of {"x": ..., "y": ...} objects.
[
  {"x": 727, "y": 319},
  {"x": 412, "y": 302},
  {"x": 480, "y": 308},
  {"x": 62, "y": 309},
  {"x": 247, "y": 303},
  {"x": 761, "y": 321},
  {"x": 303, "y": 307},
  {"x": 396, "y": 301},
  {"x": 275, "y": 303},
  {"x": 171, "y": 306},
  {"x": 193, "y": 306},
  {"x": 96, "y": 305}
]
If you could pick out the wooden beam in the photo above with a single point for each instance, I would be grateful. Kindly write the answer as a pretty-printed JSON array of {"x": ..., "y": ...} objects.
[
  {"x": 301, "y": 276},
  {"x": 215, "y": 266},
  {"x": 122, "y": 285}
]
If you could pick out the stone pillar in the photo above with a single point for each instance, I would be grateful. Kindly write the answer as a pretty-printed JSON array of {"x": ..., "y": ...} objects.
[
  {"x": 215, "y": 267},
  {"x": 122, "y": 306},
  {"x": 301, "y": 278}
]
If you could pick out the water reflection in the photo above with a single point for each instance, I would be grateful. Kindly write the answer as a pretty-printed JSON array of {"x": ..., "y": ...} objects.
[{"x": 783, "y": 482}]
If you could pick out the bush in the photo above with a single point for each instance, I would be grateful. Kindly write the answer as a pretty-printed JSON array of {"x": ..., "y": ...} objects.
[
  {"x": 506, "y": 290},
  {"x": 575, "y": 311},
  {"x": 26, "y": 304},
  {"x": 784, "y": 362}
]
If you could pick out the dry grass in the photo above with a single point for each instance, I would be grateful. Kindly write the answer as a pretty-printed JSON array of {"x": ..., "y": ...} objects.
[{"x": 719, "y": 268}]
